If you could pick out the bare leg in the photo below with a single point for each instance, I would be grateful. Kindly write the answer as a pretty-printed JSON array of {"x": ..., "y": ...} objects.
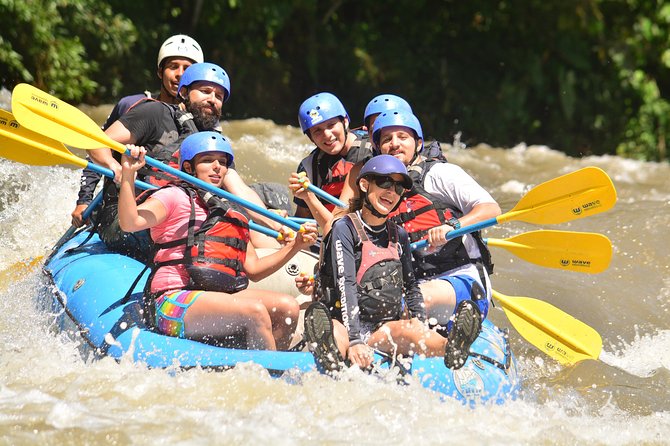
[
  {"x": 440, "y": 299},
  {"x": 407, "y": 337},
  {"x": 220, "y": 314},
  {"x": 341, "y": 337},
  {"x": 284, "y": 311}
]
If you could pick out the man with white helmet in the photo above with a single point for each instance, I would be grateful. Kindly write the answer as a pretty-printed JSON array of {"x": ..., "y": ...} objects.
[{"x": 175, "y": 55}]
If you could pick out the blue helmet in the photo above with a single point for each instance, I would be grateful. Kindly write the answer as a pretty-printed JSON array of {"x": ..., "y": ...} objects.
[
  {"x": 202, "y": 142},
  {"x": 319, "y": 108},
  {"x": 386, "y": 165},
  {"x": 385, "y": 102},
  {"x": 396, "y": 118},
  {"x": 206, "y": 71}
]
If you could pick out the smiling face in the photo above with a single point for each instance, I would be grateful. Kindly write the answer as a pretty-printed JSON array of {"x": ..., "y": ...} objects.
[
  {"x": 204, "y": 102},
  {"x": 399, "y": 142},
  {"x": 172, "y": 70},
  {"x": 330, "y": 136},
  {"x": 210, "y": 167},
  {"x": 383, "y": 191}
]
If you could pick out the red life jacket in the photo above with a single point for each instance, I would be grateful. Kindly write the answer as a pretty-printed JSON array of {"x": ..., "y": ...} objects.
[
  {"x": 214, "y": 254},
  {"x": 418, "y": 212},
  {"x": 330, "y": 171}
]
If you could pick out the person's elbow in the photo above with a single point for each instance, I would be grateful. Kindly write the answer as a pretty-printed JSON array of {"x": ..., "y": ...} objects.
[{"x": 128, "y": 224}]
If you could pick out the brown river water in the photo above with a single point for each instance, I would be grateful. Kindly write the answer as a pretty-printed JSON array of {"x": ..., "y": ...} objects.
[{"x": 49, "y": 394}]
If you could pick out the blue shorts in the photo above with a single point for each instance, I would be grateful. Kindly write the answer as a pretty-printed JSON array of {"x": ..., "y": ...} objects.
[{"x": 463, "y": 288}]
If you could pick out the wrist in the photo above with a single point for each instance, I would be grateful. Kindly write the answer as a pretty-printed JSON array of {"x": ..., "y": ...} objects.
[{"x": 454, "y": 223}]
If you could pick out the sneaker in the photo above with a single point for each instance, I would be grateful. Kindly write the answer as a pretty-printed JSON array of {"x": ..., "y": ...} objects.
[
  {"x": 466, "y": 328},
  {"x": 320, "y": 338}
]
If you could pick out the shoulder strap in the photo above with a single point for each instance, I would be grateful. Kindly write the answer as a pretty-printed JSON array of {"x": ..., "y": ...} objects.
[{"x": 358, "y": 226}]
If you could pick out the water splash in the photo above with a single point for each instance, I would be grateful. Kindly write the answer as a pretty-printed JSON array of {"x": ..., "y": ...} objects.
[{"x": 643, "y": 357}]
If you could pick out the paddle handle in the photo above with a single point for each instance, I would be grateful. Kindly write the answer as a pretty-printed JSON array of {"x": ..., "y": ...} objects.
[
  {"x": 458, "y": 232},
  {"x": 221, "y": 193},
  {"x": 322, "y": 193},
  {"x": 110, "y": 174}
]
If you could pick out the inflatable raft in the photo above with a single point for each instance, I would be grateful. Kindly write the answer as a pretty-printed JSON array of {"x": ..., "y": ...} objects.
[{"x": 89, "y": 291}]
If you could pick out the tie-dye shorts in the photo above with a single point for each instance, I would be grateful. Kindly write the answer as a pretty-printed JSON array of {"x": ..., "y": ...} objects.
[{"x": 171, "y": 308}]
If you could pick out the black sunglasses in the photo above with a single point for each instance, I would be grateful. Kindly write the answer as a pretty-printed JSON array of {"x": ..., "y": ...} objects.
[{"x": 386, "y": 182}]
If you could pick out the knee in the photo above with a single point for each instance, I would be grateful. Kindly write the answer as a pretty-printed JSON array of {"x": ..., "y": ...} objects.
[
  {"x": 287, "y": 305},
  {"x": 259, "y": 315}
]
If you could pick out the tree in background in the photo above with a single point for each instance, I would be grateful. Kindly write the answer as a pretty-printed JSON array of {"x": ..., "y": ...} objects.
[
  {"x": 73, "y": 48},
  {"x": 585, "y": 77}
]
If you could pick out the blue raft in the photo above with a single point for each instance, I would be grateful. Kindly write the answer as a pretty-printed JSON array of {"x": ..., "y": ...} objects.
[{"x": 91, "y": 285}]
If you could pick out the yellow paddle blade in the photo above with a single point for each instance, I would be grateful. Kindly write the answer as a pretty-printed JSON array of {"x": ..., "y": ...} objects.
[
  {"x": 19, "y": 144},
  {"x": 41, "y": 112},
  {"x": 551, "y": 330},
  {"x": 576, "y": 195},
  {"x": 18, "y": 271},
  {"x": 584, "y": 252}
]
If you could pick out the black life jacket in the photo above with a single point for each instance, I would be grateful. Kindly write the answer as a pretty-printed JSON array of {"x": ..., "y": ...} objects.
[
  {"x": 165, "y": 153},
  {"x": 214, "y": 254},
  {"x": 379, "y": 277},
  {"x": 419, "y": 211}
]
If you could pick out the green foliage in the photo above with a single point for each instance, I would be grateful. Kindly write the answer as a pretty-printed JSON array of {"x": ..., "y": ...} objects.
[
  {"x": 61, "y": 46},
  {"x": 585, "y": 77}
]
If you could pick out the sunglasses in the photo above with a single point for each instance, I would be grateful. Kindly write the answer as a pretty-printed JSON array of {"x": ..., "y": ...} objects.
[{"x": 387, "y": 182}]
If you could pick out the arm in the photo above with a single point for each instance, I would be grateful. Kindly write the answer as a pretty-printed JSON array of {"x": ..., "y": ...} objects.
[
  {"x": 342, "y": 260},
  {"x": 460, "y": 190},
  {"x": 234, "y": 184},
  {"x": 413, "y": 296},
  {"x": 258, "y": 268},
  {"x": 315, "y": 208},
  {"x": 89, "y": 180},
  {"x": 118, "y": 132},
  {"x": 134, "y": 218}
]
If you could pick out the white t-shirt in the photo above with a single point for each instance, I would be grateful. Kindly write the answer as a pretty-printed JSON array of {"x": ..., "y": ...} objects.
[{"x": 460, "y": 190}]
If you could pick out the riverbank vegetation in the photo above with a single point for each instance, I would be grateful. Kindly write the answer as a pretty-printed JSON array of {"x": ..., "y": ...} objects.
[{"x": 584, "y": 77}]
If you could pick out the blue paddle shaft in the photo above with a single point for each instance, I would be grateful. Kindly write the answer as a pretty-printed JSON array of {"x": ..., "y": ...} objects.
[
  {"x": 323, "y": 194},
  {"x": 220, "y": 192},
  {"x": 109, "y": 174},
  {"x": 458, "y": 232},
  {"x": 145, "y": 186}
]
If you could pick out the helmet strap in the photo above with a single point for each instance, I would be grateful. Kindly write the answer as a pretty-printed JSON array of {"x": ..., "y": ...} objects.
[
  {"x": 371, "y": 208},
  {"x": 416, "y": 151}
]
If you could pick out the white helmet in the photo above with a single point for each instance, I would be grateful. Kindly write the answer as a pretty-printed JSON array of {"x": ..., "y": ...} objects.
[{"x": 182, "y": 46}]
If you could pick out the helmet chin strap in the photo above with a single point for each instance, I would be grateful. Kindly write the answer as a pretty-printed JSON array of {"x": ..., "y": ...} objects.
[
  {"x": 371, "y": 208},
  {"x": 416, "y": 153},
  {"x": 375, "y": 212}
]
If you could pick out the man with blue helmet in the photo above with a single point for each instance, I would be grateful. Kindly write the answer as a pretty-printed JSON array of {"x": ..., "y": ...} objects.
[
  {"x": 443, "y": 198},
  {"x": 325, "y": 121},
  {"x": 160, "y": 128},
  {"x": 377, "y": 105},
  {"x": 175, "y": 55}
]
